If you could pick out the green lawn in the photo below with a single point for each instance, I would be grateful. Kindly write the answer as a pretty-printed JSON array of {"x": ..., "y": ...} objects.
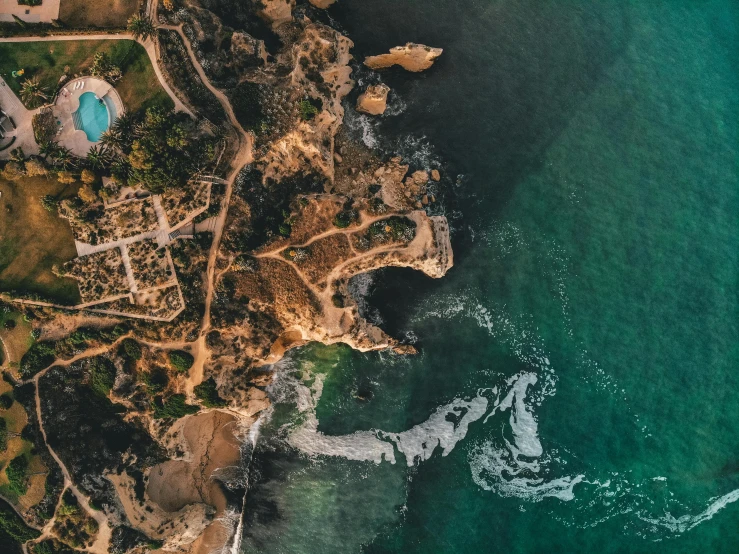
[
  {"x": 139, "y": 88},
  {"x": 32, "y": 240}
]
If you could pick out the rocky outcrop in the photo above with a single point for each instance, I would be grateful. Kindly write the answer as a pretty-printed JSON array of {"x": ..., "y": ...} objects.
[
  {"x": 411, "y": 57},
  {"x": 323, "y": 4},
  {"x": 373, "y": 101},
  {"x": 300, "y": 285},
  {"x": 277, "y": 12}
]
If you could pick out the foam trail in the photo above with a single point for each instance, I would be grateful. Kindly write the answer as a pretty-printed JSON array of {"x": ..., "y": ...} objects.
[
  {"x": 420, "y": 441},
  {"x": 417, "y": 443},
  {"x": 687, "y": 522}
]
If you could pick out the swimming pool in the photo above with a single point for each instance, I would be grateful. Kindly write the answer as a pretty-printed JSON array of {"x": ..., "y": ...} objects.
[{"x": 93, "y": 116}]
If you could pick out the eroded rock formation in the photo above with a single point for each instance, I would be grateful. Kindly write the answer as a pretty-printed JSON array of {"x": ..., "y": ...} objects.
[
  {"x": 373, "y": 101},
  {"x": 411, "y": 57}
]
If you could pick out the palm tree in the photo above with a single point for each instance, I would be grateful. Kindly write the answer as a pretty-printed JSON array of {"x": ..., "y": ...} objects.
[
  {"x": 126, "y": 128},
  {"x": 63, "y": 157},
  {"x": 32, "y": 91},
  {"x": 141, "y": 27},
  {"x": 97, "y": 157},
  {"x": 47, "y": 148},
  {"x": 112, "y": 140}
]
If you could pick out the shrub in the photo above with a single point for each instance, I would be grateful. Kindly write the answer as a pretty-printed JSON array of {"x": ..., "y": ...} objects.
[
  {"x": 156, "y": 380},
  {"x": 39, "y": 356},
  {"x": 16, "y": 474},
  {"x": 175, "y": 407},
  {"x": 309, "y": 109},
  {"x": 6, "y": 401},
  {"x": 102, "y": 375},
  {"x": 9, "y": 324},
  {"x": 3, "y": 435},
  {"x": 65, "y": 177},
  {"x": 48, "y": 202},
  {"x": 181, "y": 360},
  {"x": 131, "y": 349},
  {"x": 207, "y": 393},
  {"x": 345, "y": 218}
]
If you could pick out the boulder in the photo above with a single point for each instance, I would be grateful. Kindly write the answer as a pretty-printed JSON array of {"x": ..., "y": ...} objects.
[{"x": 435, "y": 175}]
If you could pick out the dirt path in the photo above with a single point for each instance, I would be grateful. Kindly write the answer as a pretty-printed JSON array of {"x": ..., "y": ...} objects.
[{"x": 102, "y": 541}]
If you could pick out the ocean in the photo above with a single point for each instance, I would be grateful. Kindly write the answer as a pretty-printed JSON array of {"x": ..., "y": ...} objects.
[{"x": 576, "y": 387}]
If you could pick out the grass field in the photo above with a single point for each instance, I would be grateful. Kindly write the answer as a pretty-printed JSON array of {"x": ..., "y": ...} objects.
[
  {"x": 139, "y": 88},
  {"x": 32, "y": 240},
  {"x": 108, "y": 13}
]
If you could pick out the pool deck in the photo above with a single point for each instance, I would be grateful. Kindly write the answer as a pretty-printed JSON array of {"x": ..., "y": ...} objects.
[{"x": 68, "y": 102}]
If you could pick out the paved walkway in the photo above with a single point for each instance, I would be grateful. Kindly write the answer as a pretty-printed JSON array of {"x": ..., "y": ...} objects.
[
  {"x": 22, "y": 117},
  {"x": 147, "y": 44}
]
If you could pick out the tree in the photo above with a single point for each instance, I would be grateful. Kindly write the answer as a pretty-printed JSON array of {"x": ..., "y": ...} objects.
[
  {"x": 98, "y": 157},
  {"x": 65, "y": 177},
  {"x": 88, "y": 177},
  {"x": 32, "y": 91},
  {"x": 6, "y": 401},
  {"x": 49, "y": 202},
  {"x": 48, "y": 148},
  {"x": 63, "y": 157},
  {"x": 87, "y": 194},
  {"x": 35, "y": 168},
  {"x": 16, "y": 474},
  {"x": 141, "y": 27},
  {"x": 12, "y": 171},
  {"x": 105, "y": 69},
  {"x": 181, "y": 360}
]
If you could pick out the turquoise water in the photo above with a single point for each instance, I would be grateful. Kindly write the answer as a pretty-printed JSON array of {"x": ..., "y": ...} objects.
[
  {"x": 93, "y": 116},
  {"x": 591, "y": 317}
]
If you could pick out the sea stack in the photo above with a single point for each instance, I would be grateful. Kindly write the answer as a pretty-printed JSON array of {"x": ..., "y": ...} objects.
[
  {"x": 411, "y": 57},
  {"x": 373, "y": 101}
]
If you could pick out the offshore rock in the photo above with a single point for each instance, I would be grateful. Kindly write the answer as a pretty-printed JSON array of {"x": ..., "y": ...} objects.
[
  {"x": 323, "y": 4},
  {"x": 373, "y": 101},
  {"x": 411, "y": 57}
]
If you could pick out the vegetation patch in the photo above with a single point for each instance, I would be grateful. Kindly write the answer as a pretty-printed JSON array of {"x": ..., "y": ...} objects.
[
  {"x": 73, "y": 525},
  {"x": 186, "y": 79},
  {"x": 182, "y": 361},
  {"x": 100, "y": 275},
  {"x": 13, "y": 525},
  {"x": 149, "y": 264},
  {"x": 207, "y": 393},
  {"x": 393, "y": 230},
  {"x": 174, "y": 407}
]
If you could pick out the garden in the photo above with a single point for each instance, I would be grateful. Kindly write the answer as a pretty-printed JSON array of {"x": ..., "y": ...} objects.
[{"x": 45, "y": 63}]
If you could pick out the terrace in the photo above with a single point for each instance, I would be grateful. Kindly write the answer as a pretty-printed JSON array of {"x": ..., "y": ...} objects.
[{"x": 129, "y": 270}]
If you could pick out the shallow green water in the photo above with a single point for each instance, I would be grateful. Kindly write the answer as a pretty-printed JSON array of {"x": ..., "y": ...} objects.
[{"x": 596, "y": 222}]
